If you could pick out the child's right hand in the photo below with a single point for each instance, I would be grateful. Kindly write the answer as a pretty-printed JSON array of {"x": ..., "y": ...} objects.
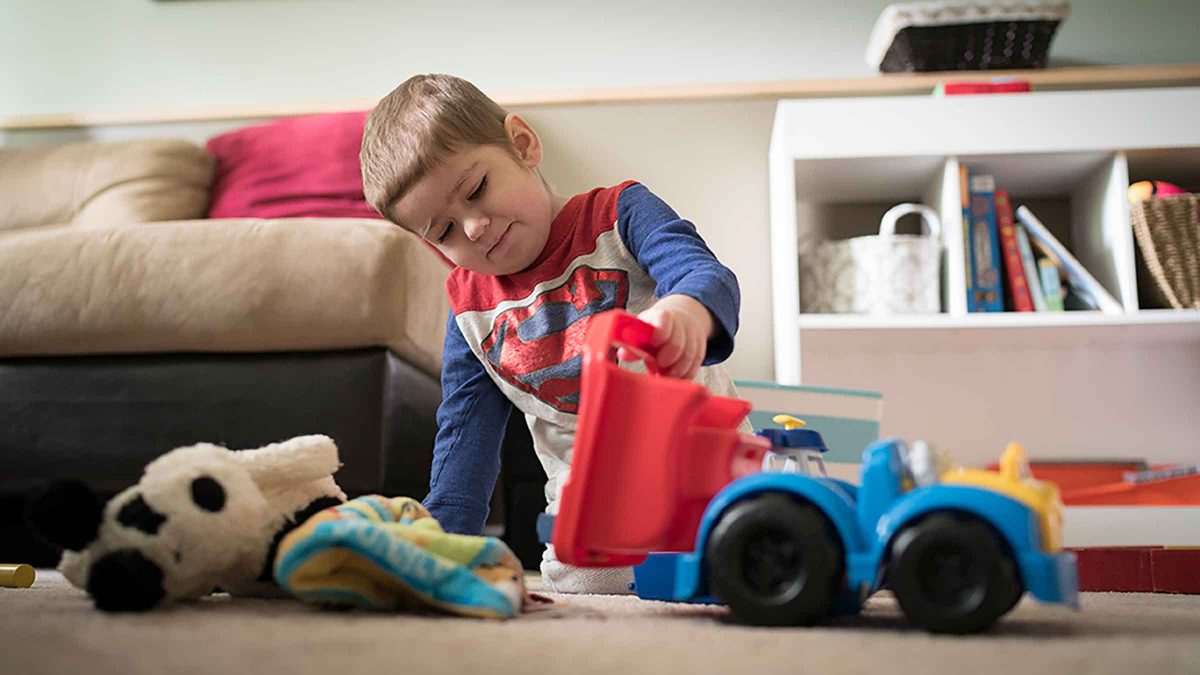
[{"x": 682, "y": 327}]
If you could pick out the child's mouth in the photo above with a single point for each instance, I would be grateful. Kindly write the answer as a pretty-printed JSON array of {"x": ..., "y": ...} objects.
[{"x": 499, "y": 242}]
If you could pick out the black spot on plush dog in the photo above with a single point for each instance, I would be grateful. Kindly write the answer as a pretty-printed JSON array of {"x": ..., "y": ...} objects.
[
  {"x": 66, "y": 514},
  {"x": 208, "y": 494},
  {"x": 202, "y": 517},
  {"x": 137, "y": 514}
]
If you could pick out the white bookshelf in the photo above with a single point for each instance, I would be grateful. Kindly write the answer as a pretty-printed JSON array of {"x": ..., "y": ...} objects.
[{"x": 1066, "y": 384}]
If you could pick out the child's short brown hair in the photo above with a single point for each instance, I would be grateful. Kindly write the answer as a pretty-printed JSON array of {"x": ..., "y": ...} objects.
[{"x": 416, "y": 126}]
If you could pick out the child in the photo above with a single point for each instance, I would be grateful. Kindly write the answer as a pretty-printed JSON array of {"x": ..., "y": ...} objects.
[{"x": 445, "y": 162}]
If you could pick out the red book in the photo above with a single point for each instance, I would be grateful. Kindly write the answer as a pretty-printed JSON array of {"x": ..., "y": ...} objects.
[
  {"x": 1114, "y": 569},
  {"x": 1176, "y": 570},
  {"x": 1014, "y": 269},
  {"x": 1005, "y": 87},
  {"x": 1144, "y": 569}
]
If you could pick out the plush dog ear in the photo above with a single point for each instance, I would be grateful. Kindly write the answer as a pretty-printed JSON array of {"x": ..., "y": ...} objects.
[
  {"x": 297, "y": 460},
  {"x": 66, "y": 515}
]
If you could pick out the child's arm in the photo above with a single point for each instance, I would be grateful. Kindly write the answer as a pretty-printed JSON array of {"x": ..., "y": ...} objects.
[
  {"x": 466, "y": 453},
  {"x": 699, "y": 299}
]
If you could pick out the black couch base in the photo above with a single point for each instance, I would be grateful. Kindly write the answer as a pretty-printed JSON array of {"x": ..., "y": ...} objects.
[{"x": 101, "y": 419}]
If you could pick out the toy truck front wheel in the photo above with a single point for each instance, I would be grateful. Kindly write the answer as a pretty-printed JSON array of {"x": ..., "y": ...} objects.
[
  {"x": 952, "y": 574},
  {"x": 775, "y": 562}
]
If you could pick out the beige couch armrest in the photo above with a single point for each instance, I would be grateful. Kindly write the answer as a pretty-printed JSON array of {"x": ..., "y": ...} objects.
[{"x": 225, "y": 285}]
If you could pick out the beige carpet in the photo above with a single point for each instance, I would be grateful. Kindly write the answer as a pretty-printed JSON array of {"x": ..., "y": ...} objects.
[{"x": 52, "y": 628}]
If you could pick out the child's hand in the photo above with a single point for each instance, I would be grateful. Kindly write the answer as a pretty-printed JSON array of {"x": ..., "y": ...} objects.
[{"x": 682, "y": 328}]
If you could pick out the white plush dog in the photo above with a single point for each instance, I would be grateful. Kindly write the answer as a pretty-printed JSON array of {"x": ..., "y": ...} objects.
[{"x": 202, "y": 518}]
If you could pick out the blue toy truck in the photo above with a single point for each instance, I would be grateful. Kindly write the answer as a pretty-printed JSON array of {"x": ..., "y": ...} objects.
[{"x": 675, "y": 490}]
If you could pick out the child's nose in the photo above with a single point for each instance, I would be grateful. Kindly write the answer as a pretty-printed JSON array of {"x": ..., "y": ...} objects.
[{"x": 475, "y": 226}]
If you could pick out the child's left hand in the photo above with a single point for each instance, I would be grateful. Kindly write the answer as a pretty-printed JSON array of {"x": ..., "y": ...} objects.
[{"x": 682, "y": 327}]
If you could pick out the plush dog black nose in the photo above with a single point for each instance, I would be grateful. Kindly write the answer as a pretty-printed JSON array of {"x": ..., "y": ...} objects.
[{"x": 125, "y": 581}]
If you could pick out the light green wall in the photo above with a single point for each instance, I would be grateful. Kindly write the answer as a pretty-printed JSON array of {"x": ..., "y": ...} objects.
[{"x": 90, "y": 55}]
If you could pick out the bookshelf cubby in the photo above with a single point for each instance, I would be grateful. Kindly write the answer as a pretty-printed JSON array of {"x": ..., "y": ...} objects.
[{"x": 1068, "y": 384}]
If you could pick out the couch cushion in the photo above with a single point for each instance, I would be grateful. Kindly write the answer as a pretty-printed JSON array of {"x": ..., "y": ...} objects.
[
  {"x": 230, "y": 285},
  {"x": 104, "y": 183},
  {"x": 299, "y": 166}
]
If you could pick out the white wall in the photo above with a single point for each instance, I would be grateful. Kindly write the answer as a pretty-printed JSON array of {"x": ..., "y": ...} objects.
[
  {"x": 71, "y": 55},
  {"x": 707, "y": 159}
]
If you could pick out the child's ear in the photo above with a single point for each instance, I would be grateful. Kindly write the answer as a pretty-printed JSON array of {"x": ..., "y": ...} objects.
[{"x": 524, "y": 140}]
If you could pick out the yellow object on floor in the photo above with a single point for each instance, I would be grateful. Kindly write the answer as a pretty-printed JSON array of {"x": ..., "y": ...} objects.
[{"x": 17, "y": 576}]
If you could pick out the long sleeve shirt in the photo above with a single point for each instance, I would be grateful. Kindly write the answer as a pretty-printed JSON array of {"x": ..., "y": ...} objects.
[{"x": 515, "y": 340}]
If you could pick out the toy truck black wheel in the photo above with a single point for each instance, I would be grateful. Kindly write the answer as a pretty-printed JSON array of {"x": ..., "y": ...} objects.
[
  {"x": 775, "y": 562},
  {"x": 952, "y": 574}
]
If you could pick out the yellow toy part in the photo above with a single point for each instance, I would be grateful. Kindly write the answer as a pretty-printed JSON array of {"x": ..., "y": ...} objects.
[
  {"x": 16, "y": 576},
  {"x": 789, "y": 422},
  {"x": 1014, "y": 480}
]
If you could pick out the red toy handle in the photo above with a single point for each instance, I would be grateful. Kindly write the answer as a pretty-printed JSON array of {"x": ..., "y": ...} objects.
[{"x": 618, "y": 328}]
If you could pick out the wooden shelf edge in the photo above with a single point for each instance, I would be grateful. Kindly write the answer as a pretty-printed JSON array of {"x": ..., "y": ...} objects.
[{"x": 881, "y": 85}]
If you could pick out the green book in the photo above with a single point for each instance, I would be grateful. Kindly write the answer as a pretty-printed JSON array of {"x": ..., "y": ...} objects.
[{"x": 1051, "y": 286}]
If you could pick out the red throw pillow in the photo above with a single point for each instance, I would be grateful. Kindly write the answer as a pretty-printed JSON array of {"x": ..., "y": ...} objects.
[{"x": 293, "y": 167}]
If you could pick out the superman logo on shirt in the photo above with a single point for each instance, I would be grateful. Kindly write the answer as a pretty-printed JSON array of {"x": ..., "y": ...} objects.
[{"x": 538, "y": 348}]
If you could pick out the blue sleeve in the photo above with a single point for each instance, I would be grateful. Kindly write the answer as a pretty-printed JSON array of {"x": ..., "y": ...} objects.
[
  {"x": 466, "y": 453},
  {"x": 672, "y": 252}
]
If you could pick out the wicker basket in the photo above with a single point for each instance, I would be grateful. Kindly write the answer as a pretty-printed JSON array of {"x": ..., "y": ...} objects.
[
  {"x": 964, "y": 35},
  {"x": 1168, "y": 233}
]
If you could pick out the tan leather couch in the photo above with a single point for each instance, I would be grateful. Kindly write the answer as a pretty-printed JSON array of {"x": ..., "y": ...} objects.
[
  {"x": 103, "y": 250},
  {"x": 130, "y": 324}
]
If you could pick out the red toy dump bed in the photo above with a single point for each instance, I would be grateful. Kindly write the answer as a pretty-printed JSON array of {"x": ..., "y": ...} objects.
[{"x": 650, "y": 452}]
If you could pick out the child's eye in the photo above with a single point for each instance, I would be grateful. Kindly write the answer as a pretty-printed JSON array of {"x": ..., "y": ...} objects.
[
  {"x": 446, "y": 232},
  {"x": 478, "y": 190}
]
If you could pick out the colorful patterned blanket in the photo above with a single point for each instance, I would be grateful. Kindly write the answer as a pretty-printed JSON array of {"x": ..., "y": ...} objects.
[{"x": 389, "y": 554}]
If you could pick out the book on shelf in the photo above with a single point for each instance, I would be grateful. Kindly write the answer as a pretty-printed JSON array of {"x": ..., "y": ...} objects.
[
  {"x": 985, "y": 291},
  {"x": 1015, "y": 286},
  {"x": 997, "y": 85},
  {"x": 1033, "y": 278},
  {"x": 1051, "y": 287},
  {"x": 964, "y": 197},
  {"x": 1082, "y": 283},
  {"x": 1071, "y": 300}
]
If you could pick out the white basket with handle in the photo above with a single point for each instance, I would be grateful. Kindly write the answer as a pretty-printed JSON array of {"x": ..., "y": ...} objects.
[{"x": 887, "y": 273}]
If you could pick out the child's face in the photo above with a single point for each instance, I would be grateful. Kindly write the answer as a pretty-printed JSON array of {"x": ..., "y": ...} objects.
[{"x": 484, "y": 208}]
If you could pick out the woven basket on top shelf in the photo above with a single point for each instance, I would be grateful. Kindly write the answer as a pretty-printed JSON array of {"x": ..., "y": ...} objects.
[
  {"x": 964, "y": 35},
  {"x": 1168, "y": 232}
]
